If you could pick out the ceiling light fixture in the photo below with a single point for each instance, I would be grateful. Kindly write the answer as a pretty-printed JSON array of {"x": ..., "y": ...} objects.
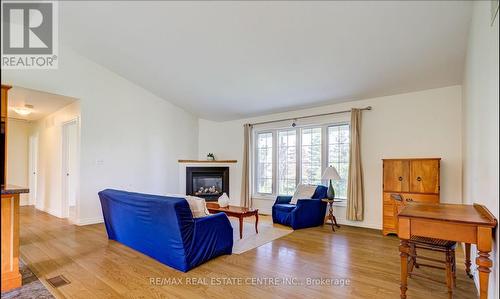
[{"x": 24, "y": 111}]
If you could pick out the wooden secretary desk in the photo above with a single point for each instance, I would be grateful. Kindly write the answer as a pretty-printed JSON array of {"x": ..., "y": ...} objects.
[
  {"x": 469, "y": 224},
  {"x": 406, "y": 181}
]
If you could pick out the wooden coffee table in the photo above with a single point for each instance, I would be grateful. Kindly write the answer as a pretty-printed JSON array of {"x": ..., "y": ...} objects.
[{"x": 235, "y": 211}]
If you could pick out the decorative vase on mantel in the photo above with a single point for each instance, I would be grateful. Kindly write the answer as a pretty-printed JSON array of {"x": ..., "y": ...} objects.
[
  {"x": 210, "y": 157},
  {"x": 223, "y": 200}
]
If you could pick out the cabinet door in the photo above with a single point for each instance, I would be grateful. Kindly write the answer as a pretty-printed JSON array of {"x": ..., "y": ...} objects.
[
  {"x": 424, "y": 176},
  {"x": 396, "y": 173}
]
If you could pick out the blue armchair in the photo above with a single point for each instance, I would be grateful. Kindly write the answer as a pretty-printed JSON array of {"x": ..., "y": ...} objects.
[
  {"x": 306, "y": 213},
  {"x": 164, "y": 228}
]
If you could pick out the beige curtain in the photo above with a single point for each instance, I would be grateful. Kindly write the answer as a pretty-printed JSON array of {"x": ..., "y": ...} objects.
[
  {"x": 355, "y": 189},
  {"x": 246, "y": 197}
]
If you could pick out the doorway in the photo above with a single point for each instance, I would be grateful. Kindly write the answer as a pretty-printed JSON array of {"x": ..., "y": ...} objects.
[
  {"x": 33, "y": 168},
  {"x": 70, "y": 169}
]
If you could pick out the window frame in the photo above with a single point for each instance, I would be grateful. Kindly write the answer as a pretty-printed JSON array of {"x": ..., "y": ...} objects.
[
  {"x": 298, "y": 171},
  {"x": 256, "y": 162},
  {"x": 322, "y": 150},
  {"x": 297, "y": 158},
  {"x": 348, "y": 123}
]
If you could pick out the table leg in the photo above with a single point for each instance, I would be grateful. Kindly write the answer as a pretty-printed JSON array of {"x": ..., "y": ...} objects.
[
  {"x": 404, "y": 250},
  {"x": 467, "y": 260},
  {"x": 449, "y": 273},
  {"x": 330, "y": 215},
  {"x": 256, "y": 222},
  {"x": 335, "y": 221},
  {"x": 483, "y": 261},
  {"x": 241, "y": 227}
]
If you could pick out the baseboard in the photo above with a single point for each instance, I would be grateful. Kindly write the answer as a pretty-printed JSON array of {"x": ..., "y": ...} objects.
[
  {"x": 24, "y": 202},
  {"x": 475, "y": 277},
  {"x": 473, "y": 271},
  {"x": 52, "y": 212},
  {"x": 265, "y": 211},
  {"x": 79, "y": 222},
  {"x": 363, "y": 225},
  {"x": 268, "y": 212},
  {"x": 88, "y": 221}
]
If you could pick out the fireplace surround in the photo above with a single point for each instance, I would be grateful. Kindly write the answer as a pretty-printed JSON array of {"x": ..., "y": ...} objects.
[{"x": 207, "y": 182}]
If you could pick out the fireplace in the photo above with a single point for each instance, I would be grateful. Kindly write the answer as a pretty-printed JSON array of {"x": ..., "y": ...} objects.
[{"x": 207, "y": 182}]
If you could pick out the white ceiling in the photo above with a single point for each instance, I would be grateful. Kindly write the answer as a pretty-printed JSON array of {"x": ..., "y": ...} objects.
[
  {"x": 44, "y": 103},
  {"x": 228, "y": 60}
]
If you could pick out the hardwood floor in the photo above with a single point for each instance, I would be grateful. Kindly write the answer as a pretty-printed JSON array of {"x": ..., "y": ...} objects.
[{"x": 99, "y": 268}]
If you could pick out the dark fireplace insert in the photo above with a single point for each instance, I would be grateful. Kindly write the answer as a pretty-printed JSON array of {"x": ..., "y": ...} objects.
[{"x": 207, "y": 182}]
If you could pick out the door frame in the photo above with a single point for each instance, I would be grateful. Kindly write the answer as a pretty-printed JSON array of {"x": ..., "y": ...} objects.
[
  {"x": 64, "y": 167},
  {"x": 33, "y": 152}
]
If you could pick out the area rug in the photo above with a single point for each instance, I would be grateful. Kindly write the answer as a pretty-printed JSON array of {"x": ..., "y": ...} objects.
[
  {"x": 268, "y": 232},
  {"x": 32, "y": 288}
]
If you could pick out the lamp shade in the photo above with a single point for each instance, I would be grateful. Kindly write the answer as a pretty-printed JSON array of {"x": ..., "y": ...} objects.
[{"x": 331, "y": 174}]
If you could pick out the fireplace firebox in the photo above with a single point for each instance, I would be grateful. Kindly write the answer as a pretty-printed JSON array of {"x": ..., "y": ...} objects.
[{"x": 207, "y": 182}]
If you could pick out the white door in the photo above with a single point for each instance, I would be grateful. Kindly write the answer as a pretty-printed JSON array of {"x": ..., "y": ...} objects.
[
  {"x": 33, "y": 168},
  {"x": 70, "y": 160}
]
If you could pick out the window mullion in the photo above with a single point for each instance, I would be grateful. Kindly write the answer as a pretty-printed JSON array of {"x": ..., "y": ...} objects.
[
  {"x": 298, "y": 160},
  {"x": 275, "y": 160},
  {"x": 256, "y": 163},
  {"x": 324, "y": 148}
]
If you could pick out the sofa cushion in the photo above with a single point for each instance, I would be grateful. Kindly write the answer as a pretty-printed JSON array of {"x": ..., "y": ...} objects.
[
  {"x": 303, "y": 191},
  {"x": 284, "y": 207},
  {"x": 198, "y": 206}
]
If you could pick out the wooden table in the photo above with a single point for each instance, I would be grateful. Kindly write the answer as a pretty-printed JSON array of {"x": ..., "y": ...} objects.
[
  {"x": 330, "y": 215},
  {"x": 235, "y": 211},
  {"x": 470, "y": 224}
]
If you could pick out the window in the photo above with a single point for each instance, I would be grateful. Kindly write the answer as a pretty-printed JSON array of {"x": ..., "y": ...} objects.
[
  {"x": 311, "y": 156},
  {"x": 265, "y": 163},
  {"x": 338, "y": 156},
  {"x": 287, "y": 157},
  {"x": 287, "y": 161}
]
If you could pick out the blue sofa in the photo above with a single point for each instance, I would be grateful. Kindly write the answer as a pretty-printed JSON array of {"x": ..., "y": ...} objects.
[
  {"x": 306, "y": 213},
  {"x": 164, "y": 228}
]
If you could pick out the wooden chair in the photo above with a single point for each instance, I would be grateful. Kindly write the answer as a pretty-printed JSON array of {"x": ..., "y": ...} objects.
[{"x": 447, "y": 247}]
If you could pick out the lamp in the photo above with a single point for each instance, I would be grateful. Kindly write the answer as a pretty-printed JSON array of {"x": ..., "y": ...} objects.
[
  {"x": 331, "y": 174},
  {"x": 24, "y": 111}
]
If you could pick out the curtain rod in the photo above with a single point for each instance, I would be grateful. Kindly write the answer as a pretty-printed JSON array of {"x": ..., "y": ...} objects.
[{"x": 307, "y": 116}]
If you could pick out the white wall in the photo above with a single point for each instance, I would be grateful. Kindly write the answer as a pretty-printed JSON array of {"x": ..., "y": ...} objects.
[
  {"x": 418, "y": 124},
  {"x": 49, "y": 196},
  {"x": 480, "y": 120},
  {"x": 17, "y": 155},
  {"x": 130, "y": 138}
]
